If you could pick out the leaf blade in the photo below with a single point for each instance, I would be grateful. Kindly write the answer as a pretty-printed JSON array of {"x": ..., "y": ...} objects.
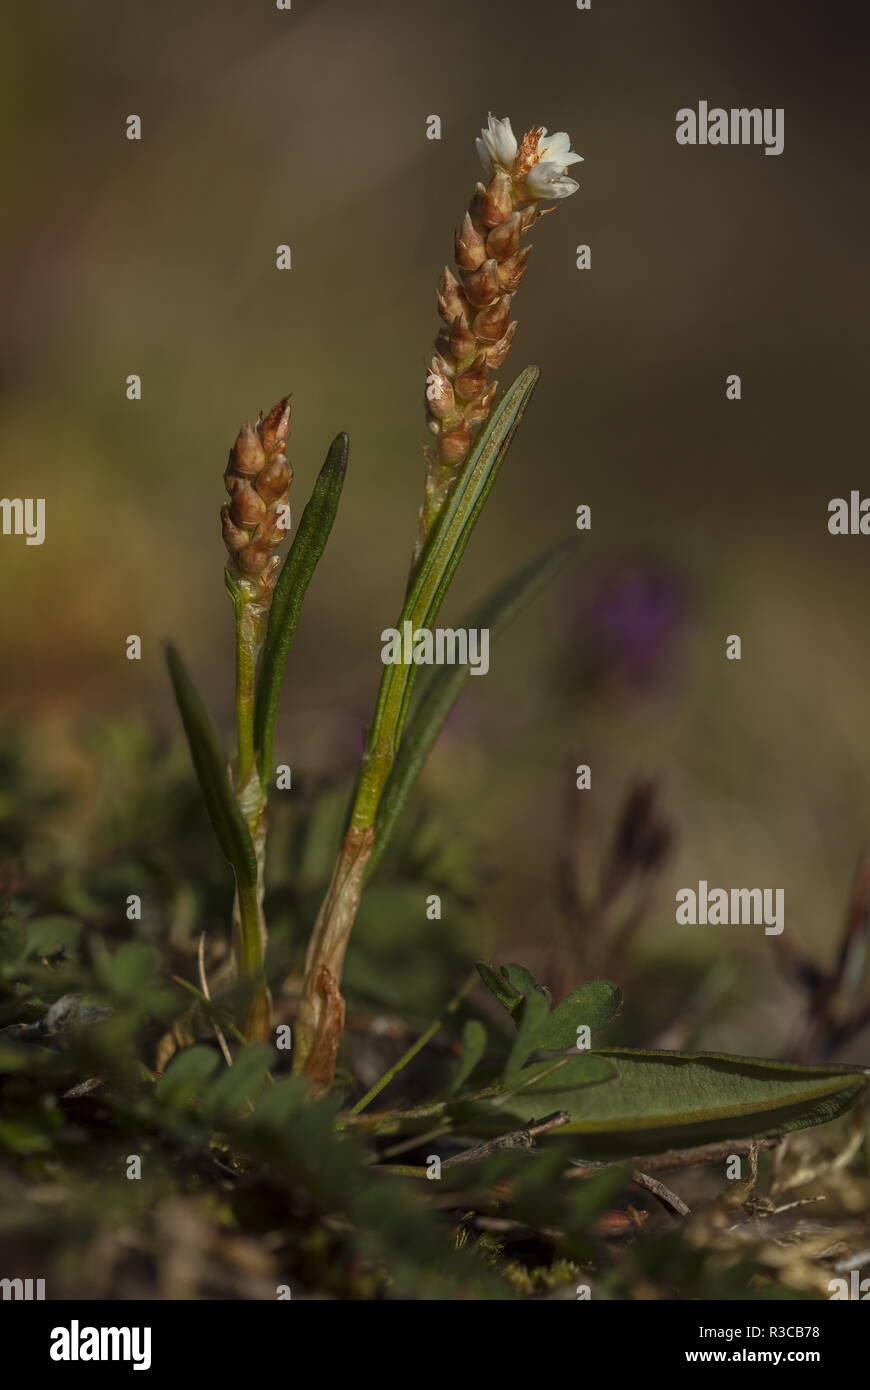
[
  {"x": 211, "y": 770},
  {"x": 302, "y": 559},
  {"x": 429, "y": 582},
  {"x": 443, "y": 690},
  {"x": 662, "y": 1100}
]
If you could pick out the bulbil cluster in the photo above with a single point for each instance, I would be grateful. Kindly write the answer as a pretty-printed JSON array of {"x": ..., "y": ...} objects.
[{"x": 258, "y": 477}]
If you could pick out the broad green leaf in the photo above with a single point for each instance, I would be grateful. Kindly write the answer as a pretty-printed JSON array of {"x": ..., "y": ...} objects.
[
  {"x": 536, "y": 1011},
  {"x": 429, "y": 583},
  {"x": 447, "y": 683},
  {"x": 186, "y": 1076},
  {"x": 45, "y": 934},
  {"x": 523, "y": 980},
  {"x": 663, "y": 1100},
  {"x": 593, "y": 1005},
  {"x": 239, "y": 1083},
  {"x": 473, "y": 1048},
  {"x": 296, "y": 572},
  {"x": 211, "y": 769}
]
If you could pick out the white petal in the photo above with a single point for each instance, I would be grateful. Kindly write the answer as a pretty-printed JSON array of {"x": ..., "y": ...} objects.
[
  {"x": 547, "y": 180},
  {"x": 557, "y": 150},
  {"x": 498, "y": 144}
]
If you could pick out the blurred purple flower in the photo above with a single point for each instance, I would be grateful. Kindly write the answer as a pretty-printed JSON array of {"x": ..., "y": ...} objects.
[{"x": 629, "y": 621}]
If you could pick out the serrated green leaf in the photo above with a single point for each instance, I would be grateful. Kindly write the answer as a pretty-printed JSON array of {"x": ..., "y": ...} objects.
[
  {"x": 429, "y": 583},
  {"x": 445, "y": 686},
  {"x": 663, "y": 1100},
  {"x": 302, "y": 560},
  {"x": 593, "y": 1005},
  {"x": 210, "y": 764},
  {"x": 186, "y": 1076},
  {"x": 473, "y": 1048}
]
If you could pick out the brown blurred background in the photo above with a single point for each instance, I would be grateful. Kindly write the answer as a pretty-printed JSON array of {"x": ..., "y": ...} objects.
[{"x": 308, "y": 127}]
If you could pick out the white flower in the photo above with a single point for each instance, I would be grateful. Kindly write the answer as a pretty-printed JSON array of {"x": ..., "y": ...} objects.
[
  {"x": 497, "y": 144},
  {"x": 557, "y": 150},
  {"x": 549, "y": 181}
]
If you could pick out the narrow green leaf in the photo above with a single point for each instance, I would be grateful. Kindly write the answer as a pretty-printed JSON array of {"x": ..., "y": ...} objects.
[
  {"x": 296, "y": 572},
  {"x": 210, "y": 764},
  {"x": 664, "y": 1100},
  {"x": 593, "y": 1005},
  {"x": 435, "y": 570},
  {"x": 445, "y": 686},
  {"x": 473, "y": 1048}
]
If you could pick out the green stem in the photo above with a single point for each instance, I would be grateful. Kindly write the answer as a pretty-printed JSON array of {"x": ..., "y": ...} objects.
[{"x": 417, "y": 1046}]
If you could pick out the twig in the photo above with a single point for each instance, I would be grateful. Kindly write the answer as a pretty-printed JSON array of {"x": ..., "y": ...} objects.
[
  {"x": 516, "y": 1139},
  {"x": 683, "y": 1158}
]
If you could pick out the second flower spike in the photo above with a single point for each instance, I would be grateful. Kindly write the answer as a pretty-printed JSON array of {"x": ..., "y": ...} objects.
[{"x": 258, "y": 479}]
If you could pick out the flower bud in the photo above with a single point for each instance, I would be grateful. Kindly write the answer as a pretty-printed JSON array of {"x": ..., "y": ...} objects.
[
  {"x": 491, "y": 324},
  {"x": 439, "y": 392},
  {"x": 274, "y": 480},
  {"x": 449, "y": 297},
  {"x": 463, "y": 343},
  {"x": 511, "y": 273},
  {"x": 247, "y": 507},
  {"x": 453, "y": 447},
  {"x": 479, "y": 410},
  {"x": 504, "y": 240},
  {"x": 497, "y": 201},
  {"x": 470, "y": 250},
  {"x": 471, "y": 382},
  {"x": 482, "y": 286},
  {"x": 234, "y": 536},
  {"x": 246, "y": 456},
  {"x": 273, "y": 430},
  {"x": 499, "y": 351}
]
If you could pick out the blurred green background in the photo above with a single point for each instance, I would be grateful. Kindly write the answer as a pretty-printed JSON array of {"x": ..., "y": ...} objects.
[{"x": 308, "y": 127}]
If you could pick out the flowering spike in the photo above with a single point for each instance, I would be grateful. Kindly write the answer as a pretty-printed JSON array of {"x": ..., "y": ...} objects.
[{"x": 476, "y": 304}]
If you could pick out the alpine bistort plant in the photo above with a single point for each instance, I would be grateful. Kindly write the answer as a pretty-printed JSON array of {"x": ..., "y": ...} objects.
[
  {"x": 617, "y": 1101},
  {"x": 477, "y": 333}
]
